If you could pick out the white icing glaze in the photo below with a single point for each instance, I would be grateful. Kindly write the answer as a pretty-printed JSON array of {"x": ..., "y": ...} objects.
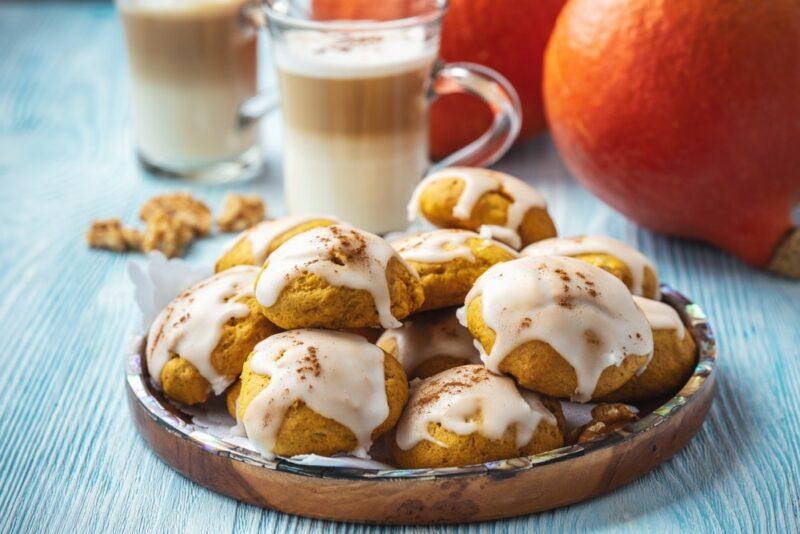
[
  {"x": 661, "y": 316},
  {"x": 191, "y": 325},
  {"x": 436, "y": 333},
  {"x": 263, "y": 234},
  {"x": 502, "y": 234},
  {"x": 365, "y": 257},
  {"x": 454, "y": 397},
  {"x": 584, "y": 313},
  {"x": 571, "y": 246},
  {"x": 477, "y": 182},
  {"x": 439, "y": 246},
  {"x": 338, "y": 375}
]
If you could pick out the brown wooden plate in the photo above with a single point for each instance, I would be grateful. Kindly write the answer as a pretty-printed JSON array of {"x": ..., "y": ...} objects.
[{"x": 447, "y": 495}]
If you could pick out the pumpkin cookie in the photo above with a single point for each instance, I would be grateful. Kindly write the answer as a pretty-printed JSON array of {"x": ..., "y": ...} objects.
[
  {"x": 198, "y": 343},
  {"x": 429, "y": 343},
  {"x": 674, "y": 356},
  {"x": 559, "y": 326},
  {"x": 449, "y": 261},
  {"x": 337, "y": 277},
  {"x": 469, "y": 198},
  {"x": 319, "y": 392},
  {"x": 468, "y": 415},
  {"x": 254, "y": 245},
  {"x": 626, "y": 263}
]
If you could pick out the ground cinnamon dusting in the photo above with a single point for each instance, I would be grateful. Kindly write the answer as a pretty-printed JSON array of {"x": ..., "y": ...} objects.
[{"x": 437, "y": 388}]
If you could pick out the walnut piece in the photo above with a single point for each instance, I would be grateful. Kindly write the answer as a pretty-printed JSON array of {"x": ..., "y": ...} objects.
[
  {"x": 167, "y": 233},
  {"x": 111, "y": 235},
  {"x": 606, "y": 418},
  {"x": 192, "y": 212},
  {"x": 240, "y": 212},
  {"x": 613, "y": 413}
]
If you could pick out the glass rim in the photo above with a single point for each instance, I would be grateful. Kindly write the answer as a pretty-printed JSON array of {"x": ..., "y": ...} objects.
[{"x": 434, "y": 15}]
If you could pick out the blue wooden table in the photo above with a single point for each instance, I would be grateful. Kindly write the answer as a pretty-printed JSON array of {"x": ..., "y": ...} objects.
[{"x": 70, "y": 459}]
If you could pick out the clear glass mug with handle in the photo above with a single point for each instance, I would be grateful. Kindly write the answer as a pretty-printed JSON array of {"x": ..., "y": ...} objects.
[
  {"x": 356, "y": 80},
  {"x": 193, "y": 83}
]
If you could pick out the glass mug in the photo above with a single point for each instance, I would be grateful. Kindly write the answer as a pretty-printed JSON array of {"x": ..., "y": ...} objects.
[
  {"x": 355, "y": 94},
  {"x": 193, "y": 86}
]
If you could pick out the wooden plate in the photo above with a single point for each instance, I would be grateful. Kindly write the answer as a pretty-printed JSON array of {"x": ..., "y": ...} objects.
[{"x": 487, "y": 491}]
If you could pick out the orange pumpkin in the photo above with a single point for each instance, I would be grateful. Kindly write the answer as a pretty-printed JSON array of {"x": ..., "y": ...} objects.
[{"x": 684, "y": 115}]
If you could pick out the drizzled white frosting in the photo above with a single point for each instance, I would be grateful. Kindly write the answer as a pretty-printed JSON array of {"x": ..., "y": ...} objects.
[
  {"x": 441, "y": 246},
  {"x": 365, "y": 257},
  {"x": 572, "y": 246},
  {"x": 337, "y": 375},
  {"x": 455, "y": 397},
  {"x": 502, "y": 234},
  {"x": 263, "y": 234},
  {"x": 661, "y": 316},
  {"x": 436, "y": 333},
  {"x": 191, "y": 325},
  {"x": 584, "y": 313},
  {"x": 478, "y": 182}
]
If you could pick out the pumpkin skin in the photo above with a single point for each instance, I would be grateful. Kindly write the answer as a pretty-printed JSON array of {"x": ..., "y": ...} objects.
[
  {"x": 683, "y": 114},
  {"x": 507, "y": 35}
]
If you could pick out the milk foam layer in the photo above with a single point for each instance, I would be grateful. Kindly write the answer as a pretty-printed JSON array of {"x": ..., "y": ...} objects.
[
  {"x": 353, "y": 54},
  {"x": 167, "y": 6}
]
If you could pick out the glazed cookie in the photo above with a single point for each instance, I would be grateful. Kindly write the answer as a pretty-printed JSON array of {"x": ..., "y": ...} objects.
[
  {"x": 674, "y": 356},
  {"x": 470, "y": 198},
  {"x": 319, "y": 392},
  {"x": 468, "y": 415},
  {"x": 254, "y": 245},
  {"x": 337, "y": 277},
  {"x": 619, "y": 259},
  {"x": 449, "y": 261},
  {"x": 429, "y": 343},
  {"x": 559, "y": 326},
  {"x": 198, "y": 343}
]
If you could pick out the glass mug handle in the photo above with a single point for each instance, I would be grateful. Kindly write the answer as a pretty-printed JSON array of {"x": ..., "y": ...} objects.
[
  {"x": 255, "y": 108},
  {"x": 501, "y": 97}
]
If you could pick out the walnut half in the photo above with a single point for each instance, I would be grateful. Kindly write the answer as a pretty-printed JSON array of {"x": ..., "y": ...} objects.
[
  {"x": 192, "y": 212},
  {"x": 240, "y": 212},
  {"x": 606, "y": 418},
  {"x": 169, "y": 234},
  {"x": 110, "y": 234}
]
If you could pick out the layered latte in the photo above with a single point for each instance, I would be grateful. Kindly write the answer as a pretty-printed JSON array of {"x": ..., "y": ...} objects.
[
  {"x": 355, "y": 122},
  {"x": 193, "y": 64}
]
